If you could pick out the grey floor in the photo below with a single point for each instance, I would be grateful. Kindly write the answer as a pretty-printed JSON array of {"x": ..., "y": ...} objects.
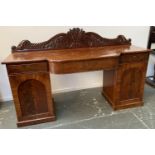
[{"x": 87, "y": 109}]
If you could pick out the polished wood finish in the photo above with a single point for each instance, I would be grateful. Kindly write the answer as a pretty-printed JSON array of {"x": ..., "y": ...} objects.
[
  {"x": 75, "y": 38},
  {"x": 84, "y": 65},
  {"x": 31, "y": 90},
  {"x": 70, "y": 55},
  {"x": 29, "y": 66},
  {"x": 124, "y": 86}
]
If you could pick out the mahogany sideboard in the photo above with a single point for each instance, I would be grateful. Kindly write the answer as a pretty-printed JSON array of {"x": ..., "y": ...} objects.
[{"x": 30, "y": 64}]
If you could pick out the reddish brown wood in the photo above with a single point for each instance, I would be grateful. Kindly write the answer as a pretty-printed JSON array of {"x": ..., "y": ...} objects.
[
  {"x": 84, "y": 65},
  {"x": 32, "y": 94},
  {"x": 31, "y": 67},
  {"x": 137, "y": 57},
  {"x": 124, "y": 71},
  {"x": 124, "y": 86},
  {"x": 75, "y": 38},
  {"x": 71, "y": 55},
  {"x": 36, "y": 102}
]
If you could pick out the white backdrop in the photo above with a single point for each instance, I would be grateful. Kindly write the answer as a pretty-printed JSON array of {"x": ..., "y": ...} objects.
[{"x": 13, "y": 35}]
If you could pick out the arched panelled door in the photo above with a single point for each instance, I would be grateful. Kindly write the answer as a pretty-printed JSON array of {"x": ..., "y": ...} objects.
[{"x": 32, "y": 96}]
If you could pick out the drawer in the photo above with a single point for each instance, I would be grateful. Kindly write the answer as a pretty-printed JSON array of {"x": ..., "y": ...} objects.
[
  {"x": 32, "y": 67},
  {"x": 136, "y": 57},
  {"x": 84, "y": 65}
]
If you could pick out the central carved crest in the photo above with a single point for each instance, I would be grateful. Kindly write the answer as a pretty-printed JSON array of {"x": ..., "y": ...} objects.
[{"x": 74, "y": 38}]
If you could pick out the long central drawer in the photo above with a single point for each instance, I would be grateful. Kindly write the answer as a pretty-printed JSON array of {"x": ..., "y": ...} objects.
[{"x": 83, "y": 65}]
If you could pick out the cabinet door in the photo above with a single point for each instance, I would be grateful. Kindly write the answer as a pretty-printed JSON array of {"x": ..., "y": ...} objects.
[
  {"x": 131, "y": 79},
  {"x": 32, "y": 95}
]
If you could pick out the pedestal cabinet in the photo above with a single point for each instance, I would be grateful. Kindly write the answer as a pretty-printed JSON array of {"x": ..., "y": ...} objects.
[
  {"x": 123, "y": 87},
  {"x": 31, "y": 88}
]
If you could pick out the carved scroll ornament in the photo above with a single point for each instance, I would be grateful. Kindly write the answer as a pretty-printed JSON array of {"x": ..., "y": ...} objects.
[{"x": 74, "y": 38}]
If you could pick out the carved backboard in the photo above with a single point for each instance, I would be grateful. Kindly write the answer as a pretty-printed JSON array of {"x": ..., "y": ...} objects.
[{"x": 74, "y": 38}]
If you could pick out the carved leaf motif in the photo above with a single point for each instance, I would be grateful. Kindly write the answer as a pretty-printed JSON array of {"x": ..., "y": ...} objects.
[{"x": 74, "y": 38}]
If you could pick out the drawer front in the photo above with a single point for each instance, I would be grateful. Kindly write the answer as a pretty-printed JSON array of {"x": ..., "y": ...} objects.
[
  {"x": 125, "y": 58},
  {"x": 83, "y": 66},
  {"x": 22, "y": 68}
]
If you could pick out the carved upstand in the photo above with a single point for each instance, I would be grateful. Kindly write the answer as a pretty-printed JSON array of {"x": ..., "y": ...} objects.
[{"x": 30, "y": 64}]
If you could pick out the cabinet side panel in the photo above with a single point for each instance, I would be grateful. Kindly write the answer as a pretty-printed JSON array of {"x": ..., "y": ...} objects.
[{"x": 109, "y": 85}]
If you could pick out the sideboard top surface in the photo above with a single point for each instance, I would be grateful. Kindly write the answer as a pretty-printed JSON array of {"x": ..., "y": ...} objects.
[{"x": 77, "y": 54}]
